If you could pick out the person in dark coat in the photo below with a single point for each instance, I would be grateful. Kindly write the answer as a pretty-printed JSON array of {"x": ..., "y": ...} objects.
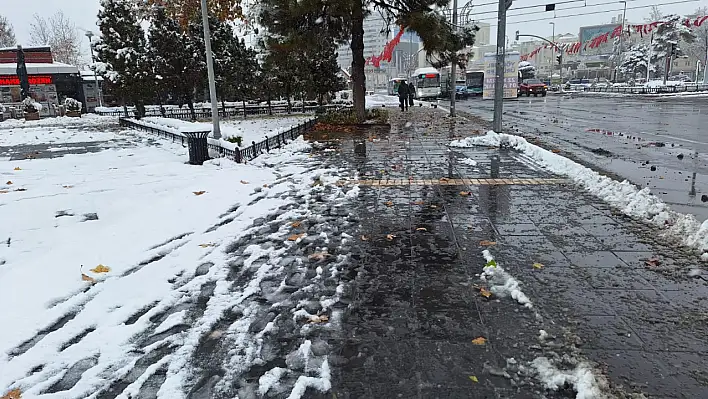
[
  {"x": 403, "y": 96},
  {"x": 411, "y": 94}
]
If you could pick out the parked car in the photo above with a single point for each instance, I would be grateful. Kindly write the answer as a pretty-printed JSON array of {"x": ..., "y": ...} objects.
[
  {"x": 461, "y": 91},
  {"x": 532, "y": 86}
]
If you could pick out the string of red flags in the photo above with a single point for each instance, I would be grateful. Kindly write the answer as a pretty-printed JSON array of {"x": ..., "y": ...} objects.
[{"x": 387, "y": 52}]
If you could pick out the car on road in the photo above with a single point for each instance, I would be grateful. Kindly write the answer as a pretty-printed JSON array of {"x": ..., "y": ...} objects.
[
  {"x": 461, "y": 90},
  {"x": 532, "y": 86}
]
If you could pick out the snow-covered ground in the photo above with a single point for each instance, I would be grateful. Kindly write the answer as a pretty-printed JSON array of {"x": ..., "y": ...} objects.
[
  {"x": 250, "y": 129},
  {"x": 52, "y": 135},
  {"x": 384, "y": 100},
  {"x": 633, "y": 201},
  {"x": 88, "y": 120},
  {"x": 118, "y": 266}
]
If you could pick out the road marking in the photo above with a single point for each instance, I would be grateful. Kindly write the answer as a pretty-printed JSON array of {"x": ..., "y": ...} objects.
[{"x": 455, "y": 182}]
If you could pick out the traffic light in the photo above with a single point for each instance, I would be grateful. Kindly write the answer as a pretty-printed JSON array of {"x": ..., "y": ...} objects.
[
  {"x": 559, "y": 58},
  {"x": 517, "y": 35}
]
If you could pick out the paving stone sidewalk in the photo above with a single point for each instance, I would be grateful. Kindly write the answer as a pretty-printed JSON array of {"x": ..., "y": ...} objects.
[{"x": 416, "y": 303}]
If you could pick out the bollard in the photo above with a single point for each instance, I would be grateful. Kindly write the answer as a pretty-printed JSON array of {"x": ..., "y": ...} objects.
[
  {"x": 495, "y": 167},
  {"x": 360, "y": 147},
  {"x": 198, "y": 148}
]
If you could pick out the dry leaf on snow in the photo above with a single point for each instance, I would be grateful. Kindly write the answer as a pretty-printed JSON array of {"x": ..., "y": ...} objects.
[
  {"x": 421, "y": 229},
  {"x": 8, "y": 182},
  {"x": 388, "y": 203},
  {"x": 364, "y": 238},
  {"x": 318, "y": 256},
  {"x": 207, "y": 245},
  {"x": 296, "y": 224},
  {"x": 555, "y": 151},
  {"x": 14, "y": 394},
  {"x": 20, "y": 189},
  {"x": 474, "y": 378},
  {"x": 419, "y": 203},
  {"x": 87, "y": 278},
  {"x": 538, "y": 265},
  {"x": 465, "y": 193},
  {"x": 101, "y": 269},
  {"x": 479, "y": 341},
  {"x": 68, "y": 186},
  {"x": 652, "y": 262},
  {"x": 199, "y": 192},
  {"x": 296, "y": 237},
  {"x": 265, "y": 186},
  {"x": 486, "y": 243},
  {"x": 485, "y": 292},
  {"x": 17, "y": 168},
  {"x": 4, "y": 191},
  {"x": 390, "y": 237},
  {"x": 244, "y": 182},
  {"x": 318, "y": 319}
]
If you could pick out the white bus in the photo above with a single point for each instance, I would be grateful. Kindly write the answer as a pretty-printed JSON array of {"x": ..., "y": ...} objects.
[
  {"x": 393, "y": 85},
  {"x": 426, "y": 82}
]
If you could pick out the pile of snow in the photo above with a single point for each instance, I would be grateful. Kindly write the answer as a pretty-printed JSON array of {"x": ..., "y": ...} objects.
[
  {"x": 468, "y": 161},
  {"x": 381, "y": 100},
  {"x": 60, "y": 135},
  {"x": 632, "y": 201},
  {"x": 582, "y": 378},
  {"x": 652, "y": 84},
  {"x": 502, "y": 283},
  {"x": 89, "y": 120},
  {"x": 72, "y": 104},
  {"x": 31, "y": 106}
]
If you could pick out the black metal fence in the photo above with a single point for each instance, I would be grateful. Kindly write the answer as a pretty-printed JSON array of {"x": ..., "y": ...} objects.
[
  {"x": 230, "y": 111},
  {"x": 238, "y": 155},
  {"x": 690, "y": 88}
]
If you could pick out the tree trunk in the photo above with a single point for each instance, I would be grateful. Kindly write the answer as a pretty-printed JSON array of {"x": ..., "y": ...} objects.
[
  {"x": 358, "y": 77},
  {"x": 243, "y": 102},
  {"x": 303, "y": 103},
  {"x": 270, "y": 110},
  {"x": 125, "y": 107},
  {"x": 287, "y": 95},
  {"x": 223, "y": 107},
  {"x": 190, "y": 104}
]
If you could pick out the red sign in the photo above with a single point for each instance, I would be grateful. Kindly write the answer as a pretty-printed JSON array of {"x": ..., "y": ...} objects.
[{"x": 11, "y": 80}]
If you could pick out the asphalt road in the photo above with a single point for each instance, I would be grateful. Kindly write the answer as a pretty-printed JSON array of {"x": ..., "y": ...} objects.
[{"x": 627, "y": 136}]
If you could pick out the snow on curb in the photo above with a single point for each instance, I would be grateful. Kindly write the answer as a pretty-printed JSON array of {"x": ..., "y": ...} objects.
[
  {"x": 632, "y": 201},
  {"x": 502, "y": 283},
  {"x": 581, "y": 378}
]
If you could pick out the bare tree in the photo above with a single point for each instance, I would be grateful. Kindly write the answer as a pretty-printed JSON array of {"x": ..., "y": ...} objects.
[
  {"x": 699, "y": 48},
  {"x": 60, "y": 33},
  {"x": 655, "y": 14},
  {"x": 7, "y": 34}
]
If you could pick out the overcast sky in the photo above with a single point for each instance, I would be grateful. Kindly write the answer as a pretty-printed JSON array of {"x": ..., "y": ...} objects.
[{"x": 83, "y": 13}]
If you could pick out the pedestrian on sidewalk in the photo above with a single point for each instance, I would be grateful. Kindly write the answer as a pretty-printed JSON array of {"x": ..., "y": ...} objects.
[
  {"x": 411, "y": 94},
  {"x": 403, "y": 96}
]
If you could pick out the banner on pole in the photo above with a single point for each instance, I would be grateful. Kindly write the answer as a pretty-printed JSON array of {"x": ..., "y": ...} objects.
[{"x": 511, "y": 75}]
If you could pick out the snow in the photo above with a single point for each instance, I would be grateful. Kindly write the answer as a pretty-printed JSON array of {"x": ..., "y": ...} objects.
[
  {"x": 384, "y": 100},
  {"x": 154, "y": 234},
  {"x": 502, "y": 283},
  {"x": 85, "y": 121},
  {"x": 581, "y": 378},
  {"x": 660, "y": 83},
  {"x": 468, "y": 161},
  {"x": 631, "y": 200},
  {"x": 60, "y": 135},
  {"x": 250, "y": 129},
  {"x": 270, "y": 379}
]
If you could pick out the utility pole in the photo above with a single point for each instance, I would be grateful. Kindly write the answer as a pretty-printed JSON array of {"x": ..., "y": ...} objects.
[
  {"x": 499, "y": 79},
  {"x": 553, "y": 50},
  {"x": 453, "y": 67},
  {"x": 651, "y": 44},
  {"x": 619, "y": 56},
  {"x": 210, "y": 70},
  {"x": 89, "y": 34},
  {"x": 667, "y": 63}
]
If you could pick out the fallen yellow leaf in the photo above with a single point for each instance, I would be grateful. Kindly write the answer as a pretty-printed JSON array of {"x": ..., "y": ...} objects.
[
  {"x": 485, "y": 292},
  {"x": 265, "y": 186},
  {"x": 17, "y": 168},
  {"x": 390, "y": 237},
  {"x": 421, "y": 229},
  {"x": 486, "y": 243},
  {"x": 419, "y": 203},
  {"x": 101, "y": 269},
  {"x": 318, "y": 319},
  {"x": 244, "y": 182},
  {"x": 207, "y": 245},
  {"x": 199, "y": 192},
  {"x": 296, "y": 237},
  {"x": 296, "y": 224},
  {"x": 14, "y": 394},
  {"x": 388, "y": 203},
  {"x": 479, "y": 341},
  {"x": 444, "y": 179},
  {"x": 8, "y": 182},
  {"x": 555, "y": 151},
  {"x": 465, "y": 193},
  {"x": 87, "y": 278},
  {"x": 318, "y": 256},
  {"x": 474, "y": 378},
  {"x": 364, "y": 238},
  {"x": 538, "y": 265}
]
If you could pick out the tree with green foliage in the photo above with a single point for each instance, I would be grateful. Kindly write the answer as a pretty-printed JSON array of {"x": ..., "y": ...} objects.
[
  {"x": 7, "y": 34},
  {"x": 122, "y": 54}
]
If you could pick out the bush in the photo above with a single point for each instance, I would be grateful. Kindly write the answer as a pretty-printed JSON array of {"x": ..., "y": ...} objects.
[
  {"x": 238, "y": 140},
  {"x": 31, "y": 106},
  {"x": 72, "y": 105},
  {"x": 379, "y": 115}
]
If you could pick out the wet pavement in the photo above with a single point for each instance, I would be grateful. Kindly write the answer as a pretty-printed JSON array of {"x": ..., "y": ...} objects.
[
  {"x": 416, "y": 301},
  {"x": 654, "y": 142}
]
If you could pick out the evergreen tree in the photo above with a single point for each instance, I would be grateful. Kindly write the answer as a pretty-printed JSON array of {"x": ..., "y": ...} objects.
[
  {"x": 7, "y": 34},
  {"x": 177, "y": 58},
  {"x": 668, "y": 38},
  {"x": 635, "y": 61},
  {"x": 122, "y": 54},
  {"x": 699, "y": 48},
  {"x": 324, "y": 71}
]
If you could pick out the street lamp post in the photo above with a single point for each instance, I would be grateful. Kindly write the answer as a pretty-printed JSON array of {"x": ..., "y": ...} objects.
[
  {"x": 499, "y": 67},
  {"x": 453, "y": 67},
  {"x": 89, "y": 34},
  {"x": 553, "y": 50},
  {"x": 210, "y": 71},
  {"x": 624, "y": 14}
]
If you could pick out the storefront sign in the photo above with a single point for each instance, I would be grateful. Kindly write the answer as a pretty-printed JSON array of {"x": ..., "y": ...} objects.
[
  {"x": 12, "y": 80},
  {"x": 511, "y": 75}
]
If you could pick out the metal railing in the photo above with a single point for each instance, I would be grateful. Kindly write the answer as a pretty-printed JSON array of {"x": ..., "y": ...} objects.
[
  {"x": 229, "y": 111},
  {"x": 688, "y": 88},
  {"x": 239, "y": 154}
]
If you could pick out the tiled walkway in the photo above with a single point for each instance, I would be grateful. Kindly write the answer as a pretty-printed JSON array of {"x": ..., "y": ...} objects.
[{"x": 416, "y": 304}]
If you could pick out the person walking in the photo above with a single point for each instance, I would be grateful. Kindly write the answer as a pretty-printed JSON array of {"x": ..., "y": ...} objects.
[
  {"x": 411, "y": 94},
  {"x": 403, "y": 96}
]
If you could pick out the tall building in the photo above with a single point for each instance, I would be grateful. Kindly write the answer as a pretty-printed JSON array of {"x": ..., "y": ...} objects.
[{"x": 483, "y": 34}]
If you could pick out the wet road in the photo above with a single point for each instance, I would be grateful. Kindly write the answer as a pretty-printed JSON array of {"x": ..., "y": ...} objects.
[{"x": 657, "y": 143}]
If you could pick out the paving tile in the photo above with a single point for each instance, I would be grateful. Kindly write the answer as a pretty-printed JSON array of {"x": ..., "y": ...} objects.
[{"x": 608, "y": 332}]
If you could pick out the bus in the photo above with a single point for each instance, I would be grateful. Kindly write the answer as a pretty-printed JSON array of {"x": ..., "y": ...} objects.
[
  {"x": 426, "y": 82},
  {"x": 393, "y": 85},
  {"x": 475, "y": 82}
]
